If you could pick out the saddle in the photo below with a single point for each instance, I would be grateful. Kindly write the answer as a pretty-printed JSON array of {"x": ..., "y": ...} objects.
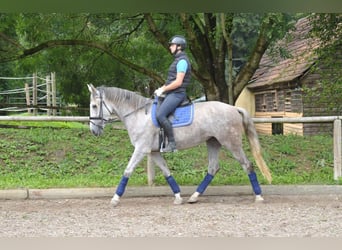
[{"x": 183, "y": 115}]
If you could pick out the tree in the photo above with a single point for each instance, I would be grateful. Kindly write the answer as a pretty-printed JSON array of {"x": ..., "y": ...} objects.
[
  {"x": 124, "y": 37},
  {"x": 5, "y": 43},
  {"x": 209, "y": 35},
  {"x": 328, "y": 29},
  {"x": 76, "y": 46}
]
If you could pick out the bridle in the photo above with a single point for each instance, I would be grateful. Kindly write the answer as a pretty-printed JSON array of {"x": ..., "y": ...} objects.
[
  {"x": 100, "y": 116},
  {"x": 105, "y": 120}
]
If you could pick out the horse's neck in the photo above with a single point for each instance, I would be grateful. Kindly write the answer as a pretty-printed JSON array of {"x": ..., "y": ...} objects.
[{"x": 124, "y": 109}]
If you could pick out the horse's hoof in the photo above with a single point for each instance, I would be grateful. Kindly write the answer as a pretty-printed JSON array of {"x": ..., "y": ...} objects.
[
  {"x": 178, "y": 201},
  {"x": 258, "y": 198},
  {"x": 115, "y": 201},
  {"x": 193, "y": 198}
]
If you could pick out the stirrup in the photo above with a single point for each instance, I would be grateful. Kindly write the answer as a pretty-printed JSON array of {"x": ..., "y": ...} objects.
[{"x": 171, "y": 147}]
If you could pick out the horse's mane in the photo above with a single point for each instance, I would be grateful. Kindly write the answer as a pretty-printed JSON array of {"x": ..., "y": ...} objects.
[{"x": 123, "y": 96}]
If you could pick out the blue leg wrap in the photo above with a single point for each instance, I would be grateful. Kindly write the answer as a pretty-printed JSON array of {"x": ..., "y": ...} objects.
[
  {"x": 255, "y": 184},
  {"x": 204, "y": 184},
  {"x": 173, "y": 184},
  {"x": 122, "y": 186}
]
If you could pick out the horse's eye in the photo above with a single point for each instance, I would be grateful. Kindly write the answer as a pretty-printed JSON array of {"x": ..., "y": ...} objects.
[{"x": 94, "y": 106}]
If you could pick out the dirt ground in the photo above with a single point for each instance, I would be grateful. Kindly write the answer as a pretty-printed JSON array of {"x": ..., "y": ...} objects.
[{"x": 212, "y": 216}]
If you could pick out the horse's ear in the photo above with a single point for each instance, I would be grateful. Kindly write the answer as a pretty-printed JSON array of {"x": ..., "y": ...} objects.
[{"x": 91, "y": 88}]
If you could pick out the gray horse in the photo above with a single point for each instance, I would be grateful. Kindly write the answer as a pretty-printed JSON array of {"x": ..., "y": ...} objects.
[{"x": 216, "y": 123}]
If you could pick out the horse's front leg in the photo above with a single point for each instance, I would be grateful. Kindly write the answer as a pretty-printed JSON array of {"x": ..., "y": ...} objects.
[
  {"x": 132, "y": 164},
  {"x": 161, "y": 163}
]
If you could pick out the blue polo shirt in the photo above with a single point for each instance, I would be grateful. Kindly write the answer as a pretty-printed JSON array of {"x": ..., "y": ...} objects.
[{"x": 182, "y": 66}]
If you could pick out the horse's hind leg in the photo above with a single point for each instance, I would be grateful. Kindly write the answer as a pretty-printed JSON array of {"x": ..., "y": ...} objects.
[
  {"x": 247, "y": 166},
  {"x": 160, "y": 161},
  {"x": 213, "y": 147}
]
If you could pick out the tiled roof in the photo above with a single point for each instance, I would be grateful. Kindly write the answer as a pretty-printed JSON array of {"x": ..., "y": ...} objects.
[{"x": 276, "y": 70}]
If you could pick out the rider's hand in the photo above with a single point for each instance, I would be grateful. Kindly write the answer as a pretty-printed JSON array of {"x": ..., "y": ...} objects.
[{"x": 159, "y": 91}]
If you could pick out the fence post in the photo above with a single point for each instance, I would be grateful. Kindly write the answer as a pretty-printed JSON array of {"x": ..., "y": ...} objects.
[
  {"x": 337, "y": 149},
  {"x": 150, "y": 170},
  {"x": 53, "y": 93},
  {"x": 34, "y": 94},
  {"x": 48, "y": 94},
  {"x": 27, "y": 95}
]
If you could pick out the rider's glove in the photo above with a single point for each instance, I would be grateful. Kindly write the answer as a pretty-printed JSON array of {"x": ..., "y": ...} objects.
[{"x": 159, "y": 91}]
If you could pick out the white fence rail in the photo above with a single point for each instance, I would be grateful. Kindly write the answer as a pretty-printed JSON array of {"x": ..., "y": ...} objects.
[
  {"x": 46, "y": 118},
  {"x": 337, "y": 138},
  {"x": 336, "y": 120}
]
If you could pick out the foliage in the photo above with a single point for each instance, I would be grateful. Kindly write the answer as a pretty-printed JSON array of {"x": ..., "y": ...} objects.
[
  {"x": 47, "y": 157},
  {"x": 328, "y": 29},
  {"x": 244, "y": 34},
  {"x": 128, "y": 50},
  {"x": 6, "y": 21}
]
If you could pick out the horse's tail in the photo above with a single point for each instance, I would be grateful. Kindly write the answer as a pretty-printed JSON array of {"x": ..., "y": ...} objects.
[{"x": 254, "y": 143}]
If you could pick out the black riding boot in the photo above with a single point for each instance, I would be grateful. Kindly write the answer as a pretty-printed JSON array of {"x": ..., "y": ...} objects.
[{"x": 171, "y": 146}]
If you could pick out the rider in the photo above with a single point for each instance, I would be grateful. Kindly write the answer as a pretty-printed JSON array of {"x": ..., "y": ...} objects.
[{"x": 178, "y": 79}]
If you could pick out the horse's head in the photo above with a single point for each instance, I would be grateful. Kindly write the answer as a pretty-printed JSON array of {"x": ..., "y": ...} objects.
[{"x": 99, "y": 112}]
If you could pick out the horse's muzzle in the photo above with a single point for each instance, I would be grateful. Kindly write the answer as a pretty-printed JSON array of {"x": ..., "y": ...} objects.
[{"x": 96, "y": 130}]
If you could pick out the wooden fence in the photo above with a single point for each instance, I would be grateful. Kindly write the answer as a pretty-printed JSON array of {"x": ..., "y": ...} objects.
[
  {"x": 337, "y": 137},
  {"x": 40, "y": 93},
  {"x": 336, "y": 120}
]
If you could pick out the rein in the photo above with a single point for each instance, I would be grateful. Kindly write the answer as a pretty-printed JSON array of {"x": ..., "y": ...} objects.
[
  {"x": 104, "y": 120},
  {"x": 141, "y": 107}
]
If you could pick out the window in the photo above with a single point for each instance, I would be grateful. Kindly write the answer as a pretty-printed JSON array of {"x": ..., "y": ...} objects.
[
  {"x": 277, "y": 127},
  {"x": 288, "y": 107}
]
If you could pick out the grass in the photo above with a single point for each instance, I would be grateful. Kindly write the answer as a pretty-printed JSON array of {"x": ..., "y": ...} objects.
[{"x": 55, "y": 154}]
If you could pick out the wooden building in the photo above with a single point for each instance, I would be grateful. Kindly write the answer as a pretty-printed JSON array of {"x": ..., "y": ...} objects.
[{"x": 277, "y": 85}]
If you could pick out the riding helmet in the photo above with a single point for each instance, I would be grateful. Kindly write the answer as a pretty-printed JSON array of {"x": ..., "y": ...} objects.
[{"x": 179, "y": 40}]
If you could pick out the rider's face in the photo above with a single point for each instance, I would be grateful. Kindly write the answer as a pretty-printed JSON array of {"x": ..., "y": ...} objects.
[{"x": 173, "y": 48}]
